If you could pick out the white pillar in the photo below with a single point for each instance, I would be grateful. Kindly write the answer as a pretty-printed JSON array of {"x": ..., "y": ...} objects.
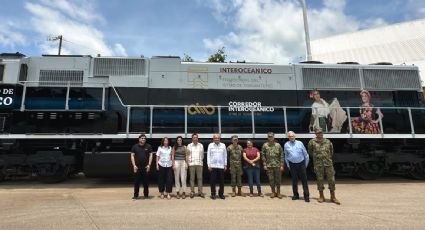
[{"x": 306, "y": 30}]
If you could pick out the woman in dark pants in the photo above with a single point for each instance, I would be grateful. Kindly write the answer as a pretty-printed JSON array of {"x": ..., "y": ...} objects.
[
  {"x": 164, "y": 166},
  {"x": 251, "y": 155}
]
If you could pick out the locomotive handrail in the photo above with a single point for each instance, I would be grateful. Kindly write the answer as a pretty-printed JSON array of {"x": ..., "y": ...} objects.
[
  {"x": 116, "y": 94},
  {"x": 218, "y": 110},
  {"x": 182, "y": 106},
  {"x": 274, "y": 106},
  {"x": 252, "y": 110}
]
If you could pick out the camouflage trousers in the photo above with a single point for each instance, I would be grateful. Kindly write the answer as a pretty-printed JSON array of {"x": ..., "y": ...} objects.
[
  {"x": 275, "y": 176},
  {"x": 321, "y": 173},
  {"x": 236, "y": 177}
]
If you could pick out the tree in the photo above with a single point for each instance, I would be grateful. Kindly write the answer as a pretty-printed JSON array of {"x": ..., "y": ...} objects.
[
  {"x": 187, "y": 58},
  {"x": 219, "y": 56}
]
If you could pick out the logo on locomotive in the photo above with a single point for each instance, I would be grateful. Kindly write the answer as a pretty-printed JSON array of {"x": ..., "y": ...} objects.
[{"x": 195, "y": 109}]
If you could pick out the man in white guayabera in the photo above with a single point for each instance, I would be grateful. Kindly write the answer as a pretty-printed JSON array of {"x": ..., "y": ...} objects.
[
  {"x": 195, "y": 158},
  {"x": 217, "y": 164}
]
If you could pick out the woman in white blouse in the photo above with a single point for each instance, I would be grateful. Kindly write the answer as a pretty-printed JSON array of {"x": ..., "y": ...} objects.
[
  {"x": 319, "y": 113},
  {"x": 164, "y": 166}
]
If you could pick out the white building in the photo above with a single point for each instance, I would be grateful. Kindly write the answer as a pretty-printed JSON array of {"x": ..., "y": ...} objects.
[{"x": 402, "y": 43}]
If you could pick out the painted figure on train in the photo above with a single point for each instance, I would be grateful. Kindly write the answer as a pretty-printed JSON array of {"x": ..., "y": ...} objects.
[
  {"x": 328, "y": 117},
  {"x": 368, "y": 122}
]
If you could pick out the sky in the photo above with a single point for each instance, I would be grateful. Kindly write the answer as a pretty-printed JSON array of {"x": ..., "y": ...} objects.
[{"x": 252, "y": 30}]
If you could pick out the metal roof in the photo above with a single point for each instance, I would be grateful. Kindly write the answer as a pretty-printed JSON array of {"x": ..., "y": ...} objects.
[{"x": 402, "y": 43}]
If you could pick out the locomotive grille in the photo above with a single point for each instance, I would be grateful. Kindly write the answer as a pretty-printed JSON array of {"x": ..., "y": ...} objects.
[
  {"x": 330, "y": 78},
  {"x": 118, "y": 67},
  {"x": 61, "y": 77},
  {"x": 391, "y": 79}
]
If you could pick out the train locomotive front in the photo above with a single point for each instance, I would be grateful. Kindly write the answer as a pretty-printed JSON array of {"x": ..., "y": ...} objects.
[{"x": 60, "y": 115}]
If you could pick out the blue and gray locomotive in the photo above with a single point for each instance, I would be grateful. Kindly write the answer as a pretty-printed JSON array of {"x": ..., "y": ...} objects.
[{"x": 60, "y": 115}]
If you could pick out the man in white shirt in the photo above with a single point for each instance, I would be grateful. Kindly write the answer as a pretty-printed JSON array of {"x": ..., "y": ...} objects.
[
  {"x": 195, "y": 157},
  {"x": 217, "y": 164}
]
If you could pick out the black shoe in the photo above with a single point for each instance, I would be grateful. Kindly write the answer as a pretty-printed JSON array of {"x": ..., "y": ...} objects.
[
  {"x": 295, "y": 198},
  {"x": 135, "y": 198},
  {"x": 146, "y": 197},
  {"x": 222, "y": 197},
  {"x": 213, "y": 197},
  {"x": 307, "y": 199}
]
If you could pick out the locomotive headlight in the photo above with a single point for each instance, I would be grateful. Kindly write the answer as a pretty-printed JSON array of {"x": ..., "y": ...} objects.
[{"x": 6, "y": 101}]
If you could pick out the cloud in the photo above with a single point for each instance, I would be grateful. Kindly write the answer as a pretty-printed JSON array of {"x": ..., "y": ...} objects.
[
  {"x": 373, "y": 23},
  {"x": 334, "y": 4},
  {"x": 119, "y": 50},
  {"x": 82, "y": 10},
  {"x": 414, "y": 9},
  {"x": 222, "y": 10},
  {"x": 76, "y": 21},
  {"x": 9, "y": 35},
  {"x": 272, "y": 31}
]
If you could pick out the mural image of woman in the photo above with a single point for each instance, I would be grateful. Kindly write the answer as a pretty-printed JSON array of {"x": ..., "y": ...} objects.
[
  {"x": 319, "y": 113},
  {"x": 368, "y": 122}
]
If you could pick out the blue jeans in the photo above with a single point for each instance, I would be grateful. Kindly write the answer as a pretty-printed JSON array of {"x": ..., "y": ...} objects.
[{"x": 253, "y": 173}]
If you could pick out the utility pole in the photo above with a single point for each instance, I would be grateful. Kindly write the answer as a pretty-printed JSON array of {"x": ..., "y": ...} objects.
[
  {"x": 306, "y": 30},
  {"x": 60, "y": 38}
]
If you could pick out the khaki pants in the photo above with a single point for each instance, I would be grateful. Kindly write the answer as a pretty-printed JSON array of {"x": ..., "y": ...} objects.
[
  {"x": 180, "y": 174},
  {"x": 195, "y": 170}
]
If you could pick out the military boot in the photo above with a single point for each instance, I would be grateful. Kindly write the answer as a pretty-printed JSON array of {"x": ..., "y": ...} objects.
[
  {"x": 240, "y": 193},
  {"x": 278, "y": 195},
  {"x": 233, "y": 192},
  {"x": 321, "y": 197},
  {"x": 273, "y": 195},
  {"x": 333, "y": 198}
]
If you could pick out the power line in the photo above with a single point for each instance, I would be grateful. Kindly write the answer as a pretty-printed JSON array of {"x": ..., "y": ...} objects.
[
  {"x": 98, "y": 51},
  {"x": 61, "y": 39}
]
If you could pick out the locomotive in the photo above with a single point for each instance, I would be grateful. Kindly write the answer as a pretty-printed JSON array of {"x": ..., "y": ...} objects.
[{"x": 61, "y": 115}]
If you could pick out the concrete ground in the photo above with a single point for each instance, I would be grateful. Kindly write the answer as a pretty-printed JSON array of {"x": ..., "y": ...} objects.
[{"x": 83, "y": 203}]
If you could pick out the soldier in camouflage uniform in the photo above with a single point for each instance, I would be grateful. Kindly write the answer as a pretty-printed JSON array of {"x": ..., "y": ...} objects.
[
  {"x": 321, "y": 150},
  {"x": 235, "y": 152},
  {"x": 273, "y": 158}
]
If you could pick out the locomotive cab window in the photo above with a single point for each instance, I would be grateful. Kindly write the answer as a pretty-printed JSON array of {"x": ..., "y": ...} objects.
[
  {"x": 23, "y": 73},
  {"x": 1, "y": 72}
]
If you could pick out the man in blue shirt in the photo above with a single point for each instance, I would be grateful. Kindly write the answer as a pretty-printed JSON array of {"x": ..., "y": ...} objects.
[{"x": 296, "y": 158}]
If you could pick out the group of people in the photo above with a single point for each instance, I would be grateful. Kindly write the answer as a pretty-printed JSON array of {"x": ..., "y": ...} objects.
[{"x": 180, "y": 159}]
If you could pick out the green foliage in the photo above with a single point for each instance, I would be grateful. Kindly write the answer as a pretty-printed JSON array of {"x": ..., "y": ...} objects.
[
  {"x": 219, "y": 56},
  {"x": 187, "y": 58}
]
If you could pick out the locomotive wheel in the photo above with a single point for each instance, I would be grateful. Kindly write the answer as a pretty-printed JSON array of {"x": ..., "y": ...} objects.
[
  {"x": 370, "y": 170},
  {"x": 60, "y": 175},
  {"x": 418, "y": 172}
]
